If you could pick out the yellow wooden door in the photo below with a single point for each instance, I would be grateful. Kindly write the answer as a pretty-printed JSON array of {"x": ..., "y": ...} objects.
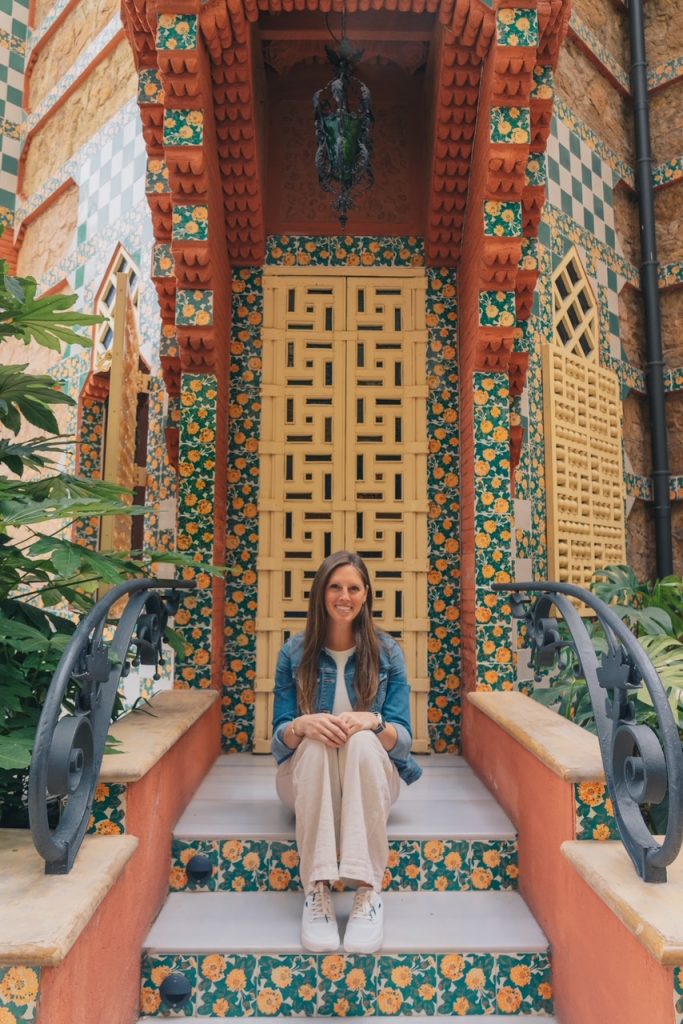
[{"x": 343, "y": 458}]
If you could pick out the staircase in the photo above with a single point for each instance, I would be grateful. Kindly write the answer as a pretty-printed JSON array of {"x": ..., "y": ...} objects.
[{"x": 459, "y": 940}]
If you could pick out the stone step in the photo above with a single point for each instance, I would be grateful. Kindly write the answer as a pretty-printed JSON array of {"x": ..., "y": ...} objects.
[
  {"x": 446, "y": 832},
  {"x": 268, "y": 922},
  {"x": 446, "y": 954},
  {"x": 260, "y": 818}
]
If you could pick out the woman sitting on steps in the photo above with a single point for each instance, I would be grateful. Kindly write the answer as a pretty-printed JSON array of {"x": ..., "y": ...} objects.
[{"x": 342, "y": 737}]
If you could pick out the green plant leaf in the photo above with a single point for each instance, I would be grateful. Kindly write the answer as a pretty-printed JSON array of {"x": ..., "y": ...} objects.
[{"x": 14, "y": 753}]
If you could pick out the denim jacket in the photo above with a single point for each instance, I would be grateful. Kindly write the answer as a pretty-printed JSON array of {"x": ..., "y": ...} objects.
[{"x": 392, "y": 698}]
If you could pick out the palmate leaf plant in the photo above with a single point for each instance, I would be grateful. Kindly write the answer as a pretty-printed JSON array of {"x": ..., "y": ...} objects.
[
  {"x": 46, "y": 579},
  {"x": 653, "y": 611}
]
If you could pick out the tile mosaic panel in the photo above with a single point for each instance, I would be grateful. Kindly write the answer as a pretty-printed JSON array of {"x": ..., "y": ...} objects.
[
  {"x": 161, "y": 493},
  {"x": 638, "y": 486},
  {"x": 19, "y": 987},
  {"x": 502, "y": 219},
  {"x": 196, "y": 480},
  {"x": 150, "y": 88},
  {"x": 667, "y": 173},
  {"x": 581, "y": 183},
  {"x": 337, "y": 985},
  {"x": 673, "y": 379},
  {"x": 516, "y": 27},
  {"x": 347, "y": 986},
  {"x": 493, "y": 529},
  {"x": 163, "y": 263},
  {"x": 523, "y": 984},
  {"x": 226, "y": 985},
  {"x": 566, "y": 115},
  {"x": 510, "y": 124},
  {"x": 344, "y": 251},
  {"x": 155, "y": 969},
  {"x": 91, "y": 441},
  {"x": 678, "y": 995},
  {"x": 663, "y": 73},
  {"x": 594, "y": 812},
  {"x": 176, "y": 32},
  {"x": 242, "y": 519},
  {"x": 13, "y": 33},
  {"x": 443, "y": 480},
  {"x": 191, "y": 223},
  {"x": 194, "y": 307},
  {"x": 543, "y": 87},
  {"x": 535, "y": 170},
  {"x": 183, "y": 128},
  {"x": 466, "y": 984},
  {"x": 287, "y": 985},
  {"x": 406, "y": 985},
  {"x": 676, "y": 488},
  {"x": 108, "y": 817},
  {"x": 244, "y": 865},
  {"x": 156, "y": 177},
  {"x": 670, "y": 275},
  {"x": 496, "y": 309}
]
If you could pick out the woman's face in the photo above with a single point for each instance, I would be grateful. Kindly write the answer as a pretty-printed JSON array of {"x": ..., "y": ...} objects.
[{"x": 345, "y": 595}]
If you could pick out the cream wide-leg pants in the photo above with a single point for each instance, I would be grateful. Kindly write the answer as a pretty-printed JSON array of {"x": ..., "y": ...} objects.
[{"x": 341, "y": 798}]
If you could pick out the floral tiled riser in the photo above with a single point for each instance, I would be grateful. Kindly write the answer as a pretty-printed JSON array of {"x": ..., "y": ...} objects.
[
  {"x": 245, "y": 865},
  {"x": 18, "y": 994},
  {"x": 678, "y": 995},
  {"x": 334, "y": 985},
  {"x": 594, "y": 812},
  {"x": 108, "y": 814}
]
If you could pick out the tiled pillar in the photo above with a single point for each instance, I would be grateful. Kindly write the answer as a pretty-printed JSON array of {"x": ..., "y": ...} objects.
[{"x": 492, "y": 530}]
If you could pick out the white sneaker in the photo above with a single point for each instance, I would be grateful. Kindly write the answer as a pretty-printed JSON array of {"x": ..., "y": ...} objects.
[
  {"x": 319, "y": 932},
  {"x": 365, "y": 930}
]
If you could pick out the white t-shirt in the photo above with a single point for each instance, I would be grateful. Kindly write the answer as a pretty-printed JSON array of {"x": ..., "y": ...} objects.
[{"x": 341, "y": 697}]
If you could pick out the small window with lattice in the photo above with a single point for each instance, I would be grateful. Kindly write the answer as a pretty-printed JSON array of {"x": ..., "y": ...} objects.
[
  {"x": 575, "y": 309},
  {"x": 105, "y": 301}
]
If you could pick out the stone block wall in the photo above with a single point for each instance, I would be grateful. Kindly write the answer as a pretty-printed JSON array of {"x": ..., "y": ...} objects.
[{"x": 591, "y": 203}]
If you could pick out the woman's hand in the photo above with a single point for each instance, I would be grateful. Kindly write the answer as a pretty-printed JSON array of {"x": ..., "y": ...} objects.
[
  {"x": 329, "y": 729},
  {"x": 357, "y": 721}
]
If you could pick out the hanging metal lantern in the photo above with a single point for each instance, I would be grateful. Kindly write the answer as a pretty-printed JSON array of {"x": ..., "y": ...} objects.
[{"x": 343, "y": 128}]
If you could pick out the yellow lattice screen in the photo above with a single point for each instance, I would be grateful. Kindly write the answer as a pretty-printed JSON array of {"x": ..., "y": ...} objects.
[
  {"x": 343, "y": 458},
  {"x": 585, "y": 483}
]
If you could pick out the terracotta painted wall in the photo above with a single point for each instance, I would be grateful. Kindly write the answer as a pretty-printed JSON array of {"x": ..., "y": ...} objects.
[
  {"x": 601, "y": 974},
  {"x": 100, "y": 978}
]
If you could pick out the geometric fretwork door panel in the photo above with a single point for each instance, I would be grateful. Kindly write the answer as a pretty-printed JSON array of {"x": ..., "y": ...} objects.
[
  {"x": 585, "y": 482},
  {"x": 343, "y": 454}
]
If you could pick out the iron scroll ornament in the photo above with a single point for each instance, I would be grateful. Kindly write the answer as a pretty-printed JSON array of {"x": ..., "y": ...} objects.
[
  {"x": 68, "y": 749},
  {"x": 639, "y": 767}
]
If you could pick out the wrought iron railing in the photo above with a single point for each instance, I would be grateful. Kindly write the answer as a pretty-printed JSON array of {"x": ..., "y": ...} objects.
[
  {"x": 642, "y": 766},
  {"x": 68, "y": 749}
]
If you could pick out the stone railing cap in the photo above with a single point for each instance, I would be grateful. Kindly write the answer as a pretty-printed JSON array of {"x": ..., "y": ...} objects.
[
  {"x": 565, "y": 748},
  {"x": 43, "y": 915},
  {"x": 146, "y": 735},
  {"x": 652, "y": 912}
]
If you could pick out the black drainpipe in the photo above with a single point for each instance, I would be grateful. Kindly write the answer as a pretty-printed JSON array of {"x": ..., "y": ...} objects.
[{"x": 650, "y": 288}]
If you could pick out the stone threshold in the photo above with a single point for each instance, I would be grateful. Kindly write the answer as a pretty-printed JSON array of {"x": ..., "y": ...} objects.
[
  {"x": 652, "y": 912},
  {"x": 569, "y": 751},
  {"x": 43, "y": 915},
  {"x": 147, "y": 734}
]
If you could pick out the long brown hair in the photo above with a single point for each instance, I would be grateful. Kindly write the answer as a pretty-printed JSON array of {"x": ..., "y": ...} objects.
[{"x": 366, "y": 639}]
